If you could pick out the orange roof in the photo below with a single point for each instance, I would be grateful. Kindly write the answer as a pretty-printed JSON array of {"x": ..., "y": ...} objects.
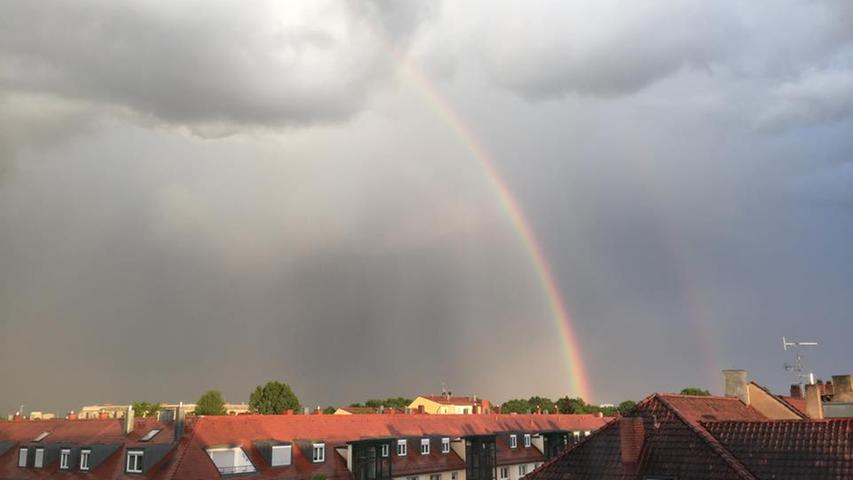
[{"x": 444, "y": 400}]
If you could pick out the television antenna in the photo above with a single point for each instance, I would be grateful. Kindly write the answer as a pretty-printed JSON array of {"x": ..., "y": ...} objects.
[{"x": 796, "y": 368}]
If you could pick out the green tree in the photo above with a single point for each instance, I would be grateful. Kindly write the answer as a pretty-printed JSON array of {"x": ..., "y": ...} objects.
[
  {"x": 400, "y": 403},
  {"x": 540, "y": 403},
  {"x": 145, "y": 409},
  {"x": 329, "y": 410},
  {"x": 626, "y": 406},
  {"x": 210, "y": 403},
  {"x": 695, "y": 391},
  {"x": 572, "y": 405},
  {"x": 274, "y": 398},
  {"x": 518, "y": 405}
]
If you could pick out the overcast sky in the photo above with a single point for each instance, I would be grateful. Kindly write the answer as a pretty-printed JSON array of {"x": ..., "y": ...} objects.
[{"x": 202, "y": 194}]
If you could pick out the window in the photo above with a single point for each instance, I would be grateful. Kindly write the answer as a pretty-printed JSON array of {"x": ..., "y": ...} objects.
[
  {"x": 281, "y": 455},
  {"x": 64, "y": 458},
  {"x": 513, "y": 441},
  {"x": 230, "y": 460},
  {"x": 587, "y": 433},
  {"x": 401, "y": 448},
  {"x": 134, "y": 461},
  {"x": 39, "y": 458},
  {"x": 151, "y": 434},
  {"x": 445, "y": 445},
  {"x": 527, "y": 440},
  {"x": 522, "y": 470},
  {"x": 386, "y": 449},
  {"x": 454, "y": 475},
  {"x": 41, "y": 436},
  {"x": 84, "y": 459},
  {"x": 412, "y": 478},
  {"x": 436, "y": 476},
  {"x": 22, "y": 457},
  {"x": 319, "y": 454},
  {"x": 504, "y": 473},
  {"x": 424, "y": 446}
]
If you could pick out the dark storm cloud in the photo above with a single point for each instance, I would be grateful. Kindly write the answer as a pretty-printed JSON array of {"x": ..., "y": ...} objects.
[{"x": 195, "y": 62}]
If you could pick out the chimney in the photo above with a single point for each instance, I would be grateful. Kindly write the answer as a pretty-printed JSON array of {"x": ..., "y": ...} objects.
[
  {"x": 498, "y": 409},
  {"x": 736, "y": 384},
  {"x": 828, "y": 388},
  {"x": 18, "y": 417},
  {"x": 289, "y": 411},
  {"x": 318, "y": 410},
  {"x": 179, "y": 422},
  {"x": 631, "y": 436},
  {"x": 305, "y": 411},
  {"x": 842, "y": 386},
  {"x": 102, "y": 415},
  {"x": 421, "y": 409},
  {"x": 814, "y": 404},
  {"x": 796, "y": 390},
  {"x": 381, "y": 409},
  {"x": 599, "y": 414},
  {"x": 127, "y": 421},
  {"x": 486, "y": 406},
  {"x": 71, "y": 415}
]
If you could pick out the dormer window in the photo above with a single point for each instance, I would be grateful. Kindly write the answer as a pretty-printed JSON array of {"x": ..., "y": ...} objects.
[
  {"x": 22, "y": 457},
  {"x": 386, "y": 449},
  {"x": 445, "y": 445},
  {"x": 281, "y": 455},
  {"x": 134, "y": 461},
  {"x": 230, "y": 461},
  {"x": 424, "y": 446},
  {"x": 401, "y": 448},
  {"x": 527, "y": 440},
  {"x": 84, "y": 459},
  {"x": 64, "y": 458},
  {"x": 513, "y": 441},
  {"x": 319, "y": 452},
  {"x": 38, "y": 461}
]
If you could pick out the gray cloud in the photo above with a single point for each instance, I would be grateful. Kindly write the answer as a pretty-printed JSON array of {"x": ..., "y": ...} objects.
[{"x": 196, "y": 63}]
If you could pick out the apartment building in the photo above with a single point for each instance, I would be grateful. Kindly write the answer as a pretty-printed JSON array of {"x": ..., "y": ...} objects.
[
  {"x": 447, "y": 404},
  {"x": 362, "y": 447},
  {"x": 167, "y": 410}
]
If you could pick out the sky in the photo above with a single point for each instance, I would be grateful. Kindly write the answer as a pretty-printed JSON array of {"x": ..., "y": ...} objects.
[{"x": 210, "y": 195}]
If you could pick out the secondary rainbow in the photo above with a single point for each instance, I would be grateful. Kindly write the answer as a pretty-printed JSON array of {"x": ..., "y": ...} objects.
[{"x": 578, "y": 378}]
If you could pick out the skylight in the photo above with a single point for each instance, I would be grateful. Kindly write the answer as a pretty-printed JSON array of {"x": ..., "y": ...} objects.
[
  {"x": 41, "y": 436},
  {"x": 151, "y": 434}
]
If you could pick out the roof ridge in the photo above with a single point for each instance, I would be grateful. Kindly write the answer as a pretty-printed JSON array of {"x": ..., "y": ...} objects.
[{"x": 712, "y": 441}]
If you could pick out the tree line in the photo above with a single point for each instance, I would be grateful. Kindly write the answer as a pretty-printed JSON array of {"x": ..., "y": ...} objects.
[{"x": 275, "y": 398}]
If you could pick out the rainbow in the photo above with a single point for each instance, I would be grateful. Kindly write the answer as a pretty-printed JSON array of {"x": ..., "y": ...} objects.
[{"x": 578, "y": 379}]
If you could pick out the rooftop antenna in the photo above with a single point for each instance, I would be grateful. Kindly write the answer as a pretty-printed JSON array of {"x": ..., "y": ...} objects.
[{"x": 796, "y": 368}]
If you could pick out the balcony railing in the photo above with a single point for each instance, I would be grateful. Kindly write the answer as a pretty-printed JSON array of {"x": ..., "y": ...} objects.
[{"x": 233, "y": 470}]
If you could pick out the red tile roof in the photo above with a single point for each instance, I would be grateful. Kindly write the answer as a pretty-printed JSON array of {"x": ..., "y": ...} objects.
[
  {"x": 790, "y": 449},
  {"x": 675, "y": 444},
  {"x": 453, "y": 400},
  {"x": 797, "y": 403}
]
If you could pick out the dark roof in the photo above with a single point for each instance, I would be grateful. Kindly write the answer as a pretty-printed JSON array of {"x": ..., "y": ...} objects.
[
  {"x": 790, "y": 449},
  {"x": 675, "y": 444}
]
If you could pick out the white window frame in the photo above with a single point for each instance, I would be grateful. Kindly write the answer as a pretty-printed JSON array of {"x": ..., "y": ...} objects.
[
  {"x": 503, "y": 473},
  {"x": 84, "y": 459},
  {"x": 64, "y": 458},
  {"x": 386, "y": 450},
  {"x": 527, "y": 440},
  {"x": 424, "y": 446},
  {"x": 23, "y": 452},
  {"x": 38, "y": 458},
  {"x": 522, "y": 470},
  {"x": 445, "y": 445},
  {"x": 318, "y": 448},
  {"x": 137, "y": 456},
  {"x": 402, "y": 448},
  {"x": 435, "y": 476},
  {"x": 454, "y": 475},
  {"x": 513, "y": 441}
]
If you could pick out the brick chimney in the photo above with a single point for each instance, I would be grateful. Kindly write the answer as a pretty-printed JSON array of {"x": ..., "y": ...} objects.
[
  {"x": 18, "y": 417},
  {"x": 842, "y": 387},
  {"x": 318, "y": 410},
  {"x": 814, "y": 404},
  {"x": 631, "y": 436},
  {"x": 796, "y": 390},
  {"x": 71, "y": 415},
  {"x": 736, "y": 384},
  {"x": 289, "y": 411}
]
